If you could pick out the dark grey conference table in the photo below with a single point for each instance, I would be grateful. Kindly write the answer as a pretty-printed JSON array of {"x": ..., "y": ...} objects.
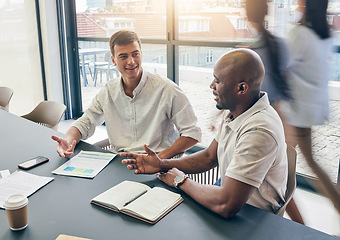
[{"x": 63, "y": 206}]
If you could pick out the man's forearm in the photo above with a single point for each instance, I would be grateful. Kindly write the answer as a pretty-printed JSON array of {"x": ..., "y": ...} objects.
[
  {"x": 211, "y": 197},
  {"x": 225, "y": 201},
  {"x": 179, "y": 146},
  {"x": 194, "y": 163},
  {"x": 72, "y": 134}
]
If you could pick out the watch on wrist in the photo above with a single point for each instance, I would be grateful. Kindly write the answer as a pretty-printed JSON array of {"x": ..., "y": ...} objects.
[{"x": 179, "y": 180}]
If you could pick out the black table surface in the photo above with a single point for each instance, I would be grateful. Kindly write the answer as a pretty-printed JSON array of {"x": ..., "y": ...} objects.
[{"x": 63, "y": 206}]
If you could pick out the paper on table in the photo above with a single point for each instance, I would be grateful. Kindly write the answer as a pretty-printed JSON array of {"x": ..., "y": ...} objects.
[
  {"x": 85, "y": 164},
  {"x": 21, "y": 182},
  {"x": 4, "y": 173}
]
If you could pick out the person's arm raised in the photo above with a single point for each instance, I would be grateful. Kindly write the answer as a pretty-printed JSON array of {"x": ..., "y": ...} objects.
[
  {"x": 67, "y": 144},
  {"x": 148, "y": 163}
]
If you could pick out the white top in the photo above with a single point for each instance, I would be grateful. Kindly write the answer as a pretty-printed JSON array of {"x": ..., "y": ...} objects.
[
  {"x": 308, "y": 68},
  {"x": 252, "y": 150},
  {"x": 156, "y": 116},
  {"x": 268, "y": 83}
]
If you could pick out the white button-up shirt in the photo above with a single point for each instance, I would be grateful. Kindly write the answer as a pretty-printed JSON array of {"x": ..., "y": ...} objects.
[{"x": 157, "y": 115}]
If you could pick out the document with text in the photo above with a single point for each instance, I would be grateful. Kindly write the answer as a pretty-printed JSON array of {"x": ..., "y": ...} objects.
[
  {"x": 85, "y": 164},
  {"x": 21, "y": 182}
]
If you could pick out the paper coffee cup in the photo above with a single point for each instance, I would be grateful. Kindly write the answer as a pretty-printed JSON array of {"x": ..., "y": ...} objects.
[{"x": 16, "y": 210}]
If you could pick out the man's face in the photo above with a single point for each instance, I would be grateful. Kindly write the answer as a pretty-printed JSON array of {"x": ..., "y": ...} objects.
[
  {"x": 128, "y": 59},
  {"x": 224, "y": 87}
]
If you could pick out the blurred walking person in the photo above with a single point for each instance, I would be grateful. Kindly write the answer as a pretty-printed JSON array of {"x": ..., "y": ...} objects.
[
  {"x": 273, "y": 52},
  {"x": 309, "y": 45}
]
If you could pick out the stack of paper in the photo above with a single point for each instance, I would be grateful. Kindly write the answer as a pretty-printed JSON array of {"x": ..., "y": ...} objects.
[{"x": 20, "y": 182}]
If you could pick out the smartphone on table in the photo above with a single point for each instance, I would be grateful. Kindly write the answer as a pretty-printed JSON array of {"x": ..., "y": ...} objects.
[{"x": 33, "y": 162}]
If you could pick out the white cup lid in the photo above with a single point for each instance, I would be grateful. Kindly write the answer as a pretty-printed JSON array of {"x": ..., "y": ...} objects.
[{"x": 15, "y": 201}]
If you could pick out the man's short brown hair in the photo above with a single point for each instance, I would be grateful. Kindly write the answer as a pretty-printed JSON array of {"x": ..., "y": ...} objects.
[{"x": 123, "y": 37}]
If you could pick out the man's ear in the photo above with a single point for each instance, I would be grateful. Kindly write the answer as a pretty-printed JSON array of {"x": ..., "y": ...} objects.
[
  {"x": 113, "y": 60},
  {"x": 243, "y": 87}
]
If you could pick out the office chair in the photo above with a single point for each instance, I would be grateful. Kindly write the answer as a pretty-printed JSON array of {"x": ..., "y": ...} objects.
[
  {"x": 291, "y": 183},
  {"x": 86, "y": 64},
  {"x": 5, "y": 97},
  {"x": 47, "y": 113}
]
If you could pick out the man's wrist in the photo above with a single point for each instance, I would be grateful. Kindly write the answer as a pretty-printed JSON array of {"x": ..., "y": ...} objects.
[
  {"x": 179, "y": 180},
  {"x": 163, "y": 165}
]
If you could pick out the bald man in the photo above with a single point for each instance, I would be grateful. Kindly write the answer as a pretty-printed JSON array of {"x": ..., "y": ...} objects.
[{"x": 249, "y": 147}]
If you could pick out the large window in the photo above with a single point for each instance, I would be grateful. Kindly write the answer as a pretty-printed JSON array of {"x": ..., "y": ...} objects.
[{"x": 182, "y": 39}]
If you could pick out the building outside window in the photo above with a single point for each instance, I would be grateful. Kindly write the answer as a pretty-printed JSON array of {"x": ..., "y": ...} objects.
[
  {"x": 209, "y": 56},
  {"x": 203, "y": 30}
]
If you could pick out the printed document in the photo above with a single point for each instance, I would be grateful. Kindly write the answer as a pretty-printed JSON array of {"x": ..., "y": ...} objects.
[
  {"x": 85, "y": 164},
  {"x": 21, "y": 182}
]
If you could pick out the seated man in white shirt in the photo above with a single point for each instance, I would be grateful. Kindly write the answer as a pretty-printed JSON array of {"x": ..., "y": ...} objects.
[
  {"x": 249, "y": 147},
  {"x": 138, "y": 108}
]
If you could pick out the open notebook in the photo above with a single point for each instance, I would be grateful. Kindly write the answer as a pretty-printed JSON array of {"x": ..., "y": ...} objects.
[{"x": 139, "y": 201}]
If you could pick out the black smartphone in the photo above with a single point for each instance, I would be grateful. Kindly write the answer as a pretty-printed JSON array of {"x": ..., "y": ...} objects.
[{"x": 33, "y": 162}]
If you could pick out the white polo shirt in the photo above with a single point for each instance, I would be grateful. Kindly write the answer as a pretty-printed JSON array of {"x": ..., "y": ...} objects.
[
  {"x": 157, "y": 115},
  {"x": 252, "y": 150}
]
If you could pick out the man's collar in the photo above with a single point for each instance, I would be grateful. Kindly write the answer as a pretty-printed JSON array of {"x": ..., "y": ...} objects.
[
  {"x": 140, "y": 85},
  {"x": 261, "y": 104}
]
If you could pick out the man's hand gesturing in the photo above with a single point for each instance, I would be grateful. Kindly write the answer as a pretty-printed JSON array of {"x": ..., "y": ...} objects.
[{"x": 143, "y": 163}]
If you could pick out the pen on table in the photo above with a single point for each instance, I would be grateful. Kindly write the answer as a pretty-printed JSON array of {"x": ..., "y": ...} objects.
[{"x": 133, "y": 199}]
